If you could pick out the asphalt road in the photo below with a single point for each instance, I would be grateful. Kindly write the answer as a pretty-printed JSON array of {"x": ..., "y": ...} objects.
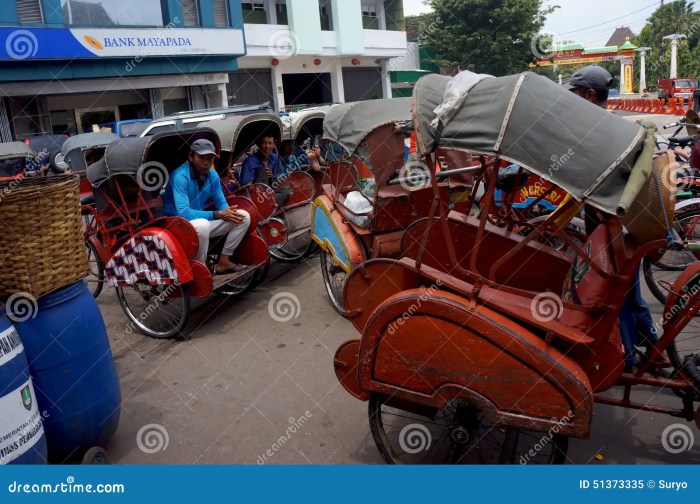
[{"x": 233, "y": 389}]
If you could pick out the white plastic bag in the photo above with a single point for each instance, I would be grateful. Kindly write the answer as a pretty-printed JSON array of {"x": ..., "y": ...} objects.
[{"x": 358, "y": 204}]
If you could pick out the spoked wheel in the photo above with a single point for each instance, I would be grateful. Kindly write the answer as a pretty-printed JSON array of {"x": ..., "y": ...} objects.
[
  {"x": 241, "y": 284},
  {"x": 457, "y": 434},
  {"x": 685, "y": 344},
  {"x": 660, "y": 275},
  {"x": 334, "y": 278},
  {"x": 159, "y": 311},
  {"x": 297, "y": 221},
  {"x": 96, "y": 276}
]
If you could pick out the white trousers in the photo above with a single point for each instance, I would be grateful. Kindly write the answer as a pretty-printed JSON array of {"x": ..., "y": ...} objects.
[{"x": 211, "y": 229}]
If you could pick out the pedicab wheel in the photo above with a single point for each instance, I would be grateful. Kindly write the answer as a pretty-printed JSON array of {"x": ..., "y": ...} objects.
[
  {"x": 158, "y": 311},
  {"x": 457, "y": 434},
  {"x": 260, "y": 275},
  {"x": 660, "y": 274},
  {"x": 240, "y": 285},
  {"x": 334, "y": 278},
  {"x": 95, "y": 456},
  {"x": 295, "y": 249},
  {"x": 96, "y": 276}
]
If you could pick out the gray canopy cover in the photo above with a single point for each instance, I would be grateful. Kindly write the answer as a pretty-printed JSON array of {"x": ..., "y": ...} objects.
[
  {"x": 529, "y": 120},
  {"x": 349, "y": 123}
]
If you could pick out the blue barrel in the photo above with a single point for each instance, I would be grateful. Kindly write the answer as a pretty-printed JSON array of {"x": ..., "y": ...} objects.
[
  {"x": 73, "y": 370},
  {"x": 22, "y": 439}
]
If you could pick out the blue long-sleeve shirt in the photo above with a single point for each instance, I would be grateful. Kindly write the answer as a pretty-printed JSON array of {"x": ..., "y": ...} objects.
[
  {"x": 254, "y": 163},
  {"x": 184, "y": 198}
]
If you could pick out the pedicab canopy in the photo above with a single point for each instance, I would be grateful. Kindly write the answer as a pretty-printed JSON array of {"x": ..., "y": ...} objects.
[
  {"x": 349, "y": 123},
  {"x": 13, "y": 156},
  {"x": 134, "y": 156},
  {"x": 72, "y": 149},
  {"x": 530, "y": 120},
  {"x": 9, "y": 150},
  {"x": 298, "y": 126},
  {"x": 239, "y": 133}
]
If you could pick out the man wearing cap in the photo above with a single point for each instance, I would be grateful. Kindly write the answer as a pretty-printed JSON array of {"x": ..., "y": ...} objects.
[
  {"x": 636, "y": 323},
  {"x": 191, "y": 187},
  {"x": 592, "y": 83}
]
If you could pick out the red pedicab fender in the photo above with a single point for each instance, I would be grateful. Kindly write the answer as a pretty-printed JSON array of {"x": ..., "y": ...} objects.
[
  {"x": 153, "y": 254},
  {"x": 427, "y": 347},
  {"x": 243, "y": 203},
  {"x": 301, "y": 186}
]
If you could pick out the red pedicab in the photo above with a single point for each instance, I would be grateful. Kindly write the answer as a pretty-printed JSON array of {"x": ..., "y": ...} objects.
[
  {"x": 482, "y": 345},
  {"x": 239, "y": 135},
  {"x": 148, "y": 257},
  {"x": 352, "y": 224}
]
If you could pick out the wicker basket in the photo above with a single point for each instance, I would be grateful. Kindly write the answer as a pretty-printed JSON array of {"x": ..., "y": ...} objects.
[
  {"x": 651, "y": 214},
  {"x": 41, "y": 240}
]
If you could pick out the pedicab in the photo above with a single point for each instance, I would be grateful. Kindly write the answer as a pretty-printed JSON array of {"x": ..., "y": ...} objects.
[
  {"x": 480, "y": 345},
  {"x": 301, "y": 130},
  {"x": 14, "y": 158},
  {"x": 82, "y": 150},
  {"x": 359, "y": 216},
  {"x": 78, "y": 153},
  {"x": 148, "y": 257}
]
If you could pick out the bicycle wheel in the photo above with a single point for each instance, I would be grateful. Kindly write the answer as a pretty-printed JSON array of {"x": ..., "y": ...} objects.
[
  {"x": 334, "y": 280},
  {"x": 159, "y": 311},
  {"x": 457, "y": 434},
  {"x": 661, "y": 274},
  {"x": 96, "y": 276}
]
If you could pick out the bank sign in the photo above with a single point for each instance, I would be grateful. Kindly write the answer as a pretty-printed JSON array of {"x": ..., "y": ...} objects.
[{"x": 63, "y": 43}]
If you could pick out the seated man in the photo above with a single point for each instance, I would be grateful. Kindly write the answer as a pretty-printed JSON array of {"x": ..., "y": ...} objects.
[
  {"x": 262, "y": 167},
  {"x": 190, "y": 188}
]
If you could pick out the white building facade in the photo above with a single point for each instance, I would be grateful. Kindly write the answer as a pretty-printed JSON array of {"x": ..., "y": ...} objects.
[{"x": 304, "y": 52}]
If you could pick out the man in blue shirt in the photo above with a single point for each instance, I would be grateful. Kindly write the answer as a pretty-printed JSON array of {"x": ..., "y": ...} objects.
[
  {"x": 190, "y": 189},
  {"x": 263, "y": 167}
]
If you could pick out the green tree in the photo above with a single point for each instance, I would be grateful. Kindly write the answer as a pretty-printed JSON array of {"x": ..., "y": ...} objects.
[{"x": 485, "y": 36}]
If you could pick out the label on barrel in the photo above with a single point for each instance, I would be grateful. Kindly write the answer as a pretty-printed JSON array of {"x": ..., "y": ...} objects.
[
  {"x": 10, "y": 345},
  {"x": 20, "y": 422}
]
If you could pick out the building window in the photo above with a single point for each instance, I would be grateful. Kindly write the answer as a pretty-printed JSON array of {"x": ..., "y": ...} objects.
[
  {"x": 282, "y": 18},
  {"x": 106, "y": 13},
  {"x": 254, "y": 12},
  {"x": 221, "y": 13},
  {"x": 29, "y": 11},
  {"x": 326, "y": 15},
  {"x": 190, "y": 13},
  {"x": 258, "y": 5},
  {"x": 369, "y": 10}
]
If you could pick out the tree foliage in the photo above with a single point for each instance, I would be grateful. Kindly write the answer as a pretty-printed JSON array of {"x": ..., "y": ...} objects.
[{"x": 485, "y": 36}]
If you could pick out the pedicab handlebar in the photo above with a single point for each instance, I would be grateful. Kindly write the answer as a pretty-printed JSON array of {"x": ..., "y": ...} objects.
[{"x": 420, "y": 177}]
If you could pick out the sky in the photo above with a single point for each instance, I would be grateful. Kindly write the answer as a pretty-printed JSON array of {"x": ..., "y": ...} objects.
[{"x": 590, "y": 22}]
